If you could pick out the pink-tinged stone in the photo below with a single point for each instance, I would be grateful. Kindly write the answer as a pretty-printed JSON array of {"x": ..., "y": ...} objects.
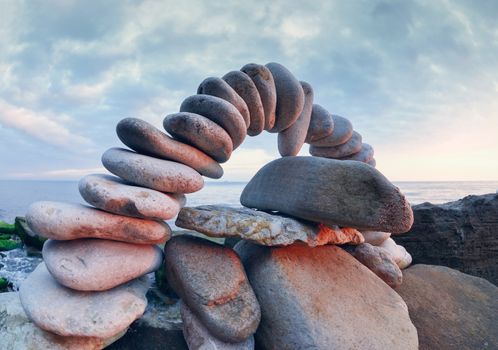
[
  {"x": 375, "y": 237},
  {"x": 321, "y": 124},
  {"x": 351, "y": 147},
  {"x": 406, "y": 259},
  {"x": 364, "y": 155},
  {"x": 343, "y": 131},
  {"x": 394, "y": 249}
]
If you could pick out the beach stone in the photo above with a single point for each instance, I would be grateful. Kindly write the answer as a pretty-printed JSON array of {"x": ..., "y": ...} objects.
[
  {"x": 351, "y": 147},
  {"x": 91, "y": 264},
  {"x": 263, "y": 80},
  {"x": 114, "y": 195},
  {"x": 380, "y": 262},
  {"x": 292, "y": 139},
  {"x": 343, "y": 131},
  {"x": 17, "y": 332},
  {"x": 364, "y": 155},
  {"x": 450, "y": 309},
  {"x": 219, "y": 111},
  {"x": 393, "y": 249},
  {"x": 372, "y": 162},
  {"x": 406, "y": 258},
  {"x": 157, "y": 174},
  {"x": 262, "y": 228},
  {"x": 64, "y": 221},
  {"x": 245, "y": 87},
  {"x": 323, "y": 298},
  {"x": 321, "y": 124},
  {"x": 68, "y": 312},
  {"x": 198, "y": 337},
  {"x": 211, "y": 281},
  {"x": 290, "y": 97},
  {"x": 220, "y": 88},
  {"x": 338, "y": 192},
  {"x": 375, "y": 237},
  {"x": 201, "y": 133}
]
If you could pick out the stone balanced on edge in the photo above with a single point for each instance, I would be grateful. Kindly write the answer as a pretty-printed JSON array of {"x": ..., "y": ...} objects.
[{"x": 286, "y": 278}]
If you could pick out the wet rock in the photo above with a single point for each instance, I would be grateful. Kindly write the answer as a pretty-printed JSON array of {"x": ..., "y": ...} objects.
[
  {"x": 321, "y": 124},
  {"x": 346, "y": 149},
  {"x": 342, "y": 133}
]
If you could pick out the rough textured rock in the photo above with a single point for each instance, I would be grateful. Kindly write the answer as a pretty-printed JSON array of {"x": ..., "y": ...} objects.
[
  {"x": 63, "y": 221},
  {"x": 333, "y": 192},
  {"x": 290, "y": 97},
  {"x": 198, "y": 337},
  {"x": 99, "y": 264},
  {"x": 346, "y": 149},
  {"x": 292, "y": 139},
  {"x": 343, "y": 130},
  {"x": 262, "y": 228},
  {"x": 323, "y": 298},
  {"x": 375, "y": 237},
  {"x": 17, "y": 332},
  {"x": 450, "y": 309},
  {"x": 460, "y": 234},
  {"x": 365, "y": 155},
  {"x": 219, "y": 111},
  {"x": 201, "y": 133},
  {"x": 116, "y": 196},
  {"x": 321, "y": 124},
  {"x": 157, "y": 174},
  {"x": 210, "y": 279},
  {"x": 87, "y": 314},
  {"x": 147, "y": 139}
]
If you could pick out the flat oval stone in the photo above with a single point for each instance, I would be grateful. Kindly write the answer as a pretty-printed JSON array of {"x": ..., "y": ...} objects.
[
  {"x": 114, "y": 195},
  {"x": 364, "y": 155},
  {"x": 68, "y": 312},
  {"x": 372, "y": 162},
  {"x": 92, "y": 264},
  {"x": 246, "y": 88},
  {"x": 351, "y": 147},
  {"x": 290, "y": 97},
  {"x": 211, "y": 281},
  {"x": 394, "y": 249},
  {"x": 321, "y": 124},
  {"x": 333, "y": 192},
  {"x": 220, "y": 88},
  {"x": 147, "y": 139},
  {"x": 342, "y": 132},
  {"x": 292, "y": 139},
  {"x": 375, "y": 237},
  {"x": 201, "y": 133},
  {"x": 157, "y": 174},
  {"x": 219, "y": 111},
  {"x": 406, "y": 258},
  {"x": 262, "y": 78},
  {"x": 64, "y": 221}
]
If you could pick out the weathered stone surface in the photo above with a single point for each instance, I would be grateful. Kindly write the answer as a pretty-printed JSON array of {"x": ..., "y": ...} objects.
[
  {"x": 380, "y": 262},
  {"x": 365, "y": 155},
  {"x": 450, "y": 309},
  {"x": 220, "y": 88},
  {"x": 114, "y": 195},
  {"x": 198, "y": 337},
  {"x": 290, "y": 97},
  {"x": 84, "y": 314},
  {"x": 157, "y": 174},
  {"x": 201, "y": 133},
  {"x": 346, "y": 149},
  {"x": 245, "y": 87},
  {"x": 321, "y": 124},
  {"x": 219, "y": 111},
  {"x": 375, "y": 237},
  {"x": 63, "y": 221},
  {"x": 323, "y": 298},
  {"x": 292, "y": 139},
  {"x": 343, "y": 131},
  {"x": 460, "y": 234},
  {"x": 147, "y": 139},
  {"x": 263, "y": 80},
  {"x": 99, "y": 264},
  {"x": 333, "y": 192},
  {"x": 210, "y": 279},
  {"x": 17, "y": 332}
]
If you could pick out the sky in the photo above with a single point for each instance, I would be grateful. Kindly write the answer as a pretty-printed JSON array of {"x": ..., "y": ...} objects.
[{"x": 418, "y": 79}]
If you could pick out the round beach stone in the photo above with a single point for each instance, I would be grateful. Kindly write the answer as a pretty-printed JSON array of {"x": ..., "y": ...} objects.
[
  {"x": 372, "y": 162},
  {"x": 263, "y": 80},
  {"x": 158, "y": 174},
  {"x": 343, "y": 131},
  {"x": 64, "y": 221},
  {"x": 321, "y": 124},
  {"x": 290, "y": 97},
  {"x": 364, "y": 155},
  {"x": 201, "y": 133},
  {"x": 246, "y": 88},
  {"x": 292, "y": 139},
  {"x": 406, "y": 259},
  {"x": 112, "y": 194},
  {"x": 346, "y": 149},
  {"x": 328, "y": 191},
  {"x": 219, "y": 111},
  {"x": 147, "y": 139},
  {"x": 92, "y": 264},
  {"x": 69, "y": 312},
  {"x": 220, "y": 88},
  {"x": 394, "y": 249},
  {"x": 375, "y": 237}
]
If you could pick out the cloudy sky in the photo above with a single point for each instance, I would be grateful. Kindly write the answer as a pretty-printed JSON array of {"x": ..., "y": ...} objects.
[{"x": 418, "y": 79}]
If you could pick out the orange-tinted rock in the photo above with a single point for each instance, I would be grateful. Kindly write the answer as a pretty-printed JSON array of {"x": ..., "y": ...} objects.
[
  {"x": 321, "y": 124},
  {"x": 346, "y": 149}
]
